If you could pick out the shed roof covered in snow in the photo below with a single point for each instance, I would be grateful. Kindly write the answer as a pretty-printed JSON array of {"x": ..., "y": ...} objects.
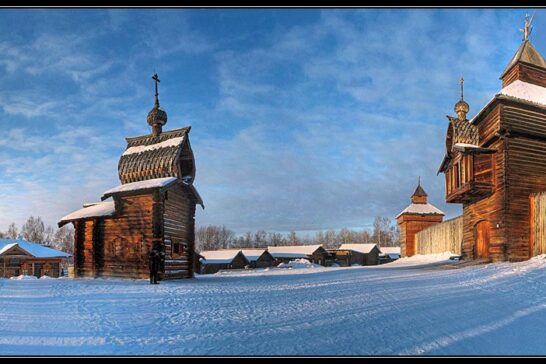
[
  {"x": 140, "y": 185},
  {"x": 253, "y": 254},
  {"x": 99, "y": 209},
  {"x": 33, "y": 249},
  {"x": 299, "y": 251},
  {"x": 150, "y": 184},
  {"x": 390, "y": 250},
  {"x": 224, "y": 256},
  {"x": 360, "y": 248},
  {"x": 518, "y": 91},
  {"x": 421, "y": 209}
]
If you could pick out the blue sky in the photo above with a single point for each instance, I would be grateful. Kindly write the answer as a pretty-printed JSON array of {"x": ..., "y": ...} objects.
[{"x": 301, "y": 119}]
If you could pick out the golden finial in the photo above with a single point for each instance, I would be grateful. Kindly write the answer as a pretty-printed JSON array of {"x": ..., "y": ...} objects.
[
  {"x": 461, "y": 107},
  {"x": 527, "y": 28}
]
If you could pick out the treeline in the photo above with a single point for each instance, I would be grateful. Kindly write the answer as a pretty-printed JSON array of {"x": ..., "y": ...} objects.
[
  {"x": 383, "y": 233},
  {"x": 34, "y": 230}
]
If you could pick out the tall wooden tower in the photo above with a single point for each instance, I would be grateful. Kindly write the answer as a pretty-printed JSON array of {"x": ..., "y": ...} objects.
[
  {"x": 494, "y": 161},
  {"x": 417, "y": 216}
]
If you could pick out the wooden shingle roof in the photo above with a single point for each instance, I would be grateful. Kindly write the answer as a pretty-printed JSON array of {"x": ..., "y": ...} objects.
[
  {"x": 526, "y": 53},
  {"x": 149, "y": 156},
  {"x": 463, "y": 131}
]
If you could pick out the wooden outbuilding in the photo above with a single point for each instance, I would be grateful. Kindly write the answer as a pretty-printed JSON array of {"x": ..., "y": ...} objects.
[
  {"x": 389, "y": 254},
  {"x": 284, "y": 254},
  {"x": 495, "y": 161},
  {"x": 419, "y": 215},
  {"x": 213, "y": 261},
  {"x": 21, "y": 257},
  {"x": 360, "y": 254},
  {"x": 259, "y": 258},
  {"x": 152, "y": 208}
]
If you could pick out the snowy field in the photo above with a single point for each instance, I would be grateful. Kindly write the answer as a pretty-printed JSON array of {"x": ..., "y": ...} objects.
[{"x": 412, "y": 306}]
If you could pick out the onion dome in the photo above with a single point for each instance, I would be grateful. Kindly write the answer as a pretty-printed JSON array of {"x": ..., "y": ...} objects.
[
  {"x": 157, "y": 117},
  {"x": 462, "y": 107}
]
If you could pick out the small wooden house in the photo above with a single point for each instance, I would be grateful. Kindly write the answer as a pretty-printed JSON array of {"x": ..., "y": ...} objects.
[
  {"x": 152, "y": 208},
  {"x": 388, "y": 254},
  {"x": 284, "y": 254},
  {"x": 216, "y": 260},
  {"x": 495, "y": 161},
  {"x": 21, "y": 257},
  {"x": 419, "y": 215},
  {"x": 360, "y": 254},
  {"x": 259, "y": 258}
]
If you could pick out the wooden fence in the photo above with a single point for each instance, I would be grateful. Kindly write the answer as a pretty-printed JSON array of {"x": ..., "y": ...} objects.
[
  {"x": 537, "y": 222},
  {"x": 440, "y": 238}
]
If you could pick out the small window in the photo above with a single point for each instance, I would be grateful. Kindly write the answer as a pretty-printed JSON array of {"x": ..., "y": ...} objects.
[{"x": 176, "y": 248}]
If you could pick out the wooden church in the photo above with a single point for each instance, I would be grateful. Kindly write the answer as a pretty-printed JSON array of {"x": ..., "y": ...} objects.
[
  {"x": 154, "y": 207},
  {"x": 497, "y": 159},
  {"x": 419, "y": 215}
]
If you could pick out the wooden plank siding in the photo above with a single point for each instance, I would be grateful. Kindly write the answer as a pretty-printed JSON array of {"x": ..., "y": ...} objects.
[
  {"x": 119, "y": 246},
  {"x": 409, "y": 225},
  {"x": 440, "y": 238},
  {"x": 491, "y": 208},
  {"x": 179, "y": 227},
  {"x": 537, "y": 228},
  {"x": 525, "y": 73},
  {"x": 490, "y": 126}
]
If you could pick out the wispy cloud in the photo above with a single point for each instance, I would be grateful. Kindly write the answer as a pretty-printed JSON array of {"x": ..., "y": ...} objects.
[{"x": 314, "y": 124}]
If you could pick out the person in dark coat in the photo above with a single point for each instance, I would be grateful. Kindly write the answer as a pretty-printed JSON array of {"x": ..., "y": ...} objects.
[{"x": 154, "y": 266}]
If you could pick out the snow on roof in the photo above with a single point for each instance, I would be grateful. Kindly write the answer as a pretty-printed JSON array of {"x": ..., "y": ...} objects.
[
  {"x": 253, "y": 254},
  {"x": 421, "y": 209},
  {"x": 519, "y": 90},
  {"x": 105, "y": 208},
  {"x": 525, "y": 91},
  {"x": 390, "y": 250},
  {"x": 174, "y": 142},
  {"x": 464, "y": 147},
  {"x": 36, "y": 250},
  {"x": 140, "y": 185},
  {"x": 6, "y": 247},
  {"x": 361, "y": 248},
  {"x": 300, "y": 251},
  {"x": 225, "y": 256}
]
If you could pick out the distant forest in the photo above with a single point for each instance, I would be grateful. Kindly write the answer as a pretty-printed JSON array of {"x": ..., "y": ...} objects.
[
  {"x": 384, "y": 233},
  {"x": 212, "y": 237}
]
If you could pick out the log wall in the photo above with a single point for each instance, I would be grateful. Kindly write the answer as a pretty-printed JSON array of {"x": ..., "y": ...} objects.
[
  {"x": 440, "y": 238},
  {"x": 537, "y": 227}
]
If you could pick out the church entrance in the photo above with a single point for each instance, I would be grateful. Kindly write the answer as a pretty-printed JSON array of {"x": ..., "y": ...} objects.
[{"x": 483, "y": 233}]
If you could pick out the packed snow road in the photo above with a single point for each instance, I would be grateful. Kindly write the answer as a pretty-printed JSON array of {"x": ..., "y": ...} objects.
[{"x": 393, "y": 309}]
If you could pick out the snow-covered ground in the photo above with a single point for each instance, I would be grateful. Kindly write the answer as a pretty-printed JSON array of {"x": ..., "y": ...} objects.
[{"x": 413, "y": 306}]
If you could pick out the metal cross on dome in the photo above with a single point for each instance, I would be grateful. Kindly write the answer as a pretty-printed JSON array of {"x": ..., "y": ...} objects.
[
  {"x": 462, "y": 86},
  {"x": 155, "y": 77}
]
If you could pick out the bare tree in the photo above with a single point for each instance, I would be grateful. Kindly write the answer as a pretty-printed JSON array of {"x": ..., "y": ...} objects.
[
  {"x": 293, "y": 238},
  {"x": 12, "y": 232},
  {"x": 64, "y": 239},
  {"x": 214, "y": 237},
  {"x": 34, "y": 230}
]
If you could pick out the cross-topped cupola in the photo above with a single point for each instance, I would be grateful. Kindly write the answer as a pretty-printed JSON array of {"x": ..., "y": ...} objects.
[{"x": 527, "y": 64}]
